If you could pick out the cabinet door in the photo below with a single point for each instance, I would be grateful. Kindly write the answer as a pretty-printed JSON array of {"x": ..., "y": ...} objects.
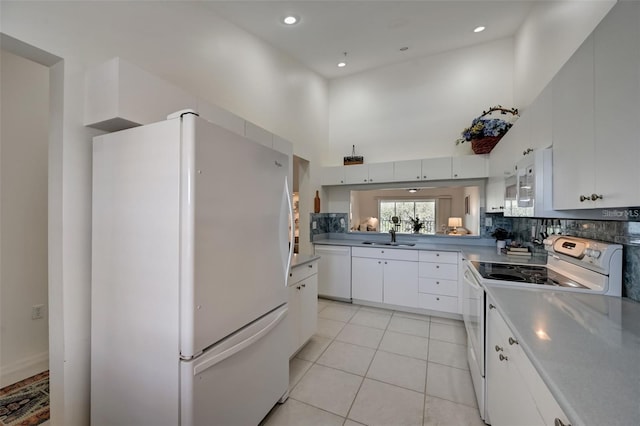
[
  {"x": 381, "y": 172},
  {"x": 541, "y": 116},
  {"x": 509, "y": 401},
  {"x": 357, "y": 173},
  {"x": 401, "y": 283},
  {"x": 617, "y": 107},
  {"x": 333, "y": 175},
  {"x": 407, "y": 170},
  {"x": 573, "y": 130},
  {"x": 436, "y": 168},
  {"x": 308, "y": 314},
  {"x": 495, "y": 195},
  {"x": 366, "y": 279},
  {"x": 334, "y": 271},
  {"x": 469, "y": 166},
  {"x": 293, "y": 318}
]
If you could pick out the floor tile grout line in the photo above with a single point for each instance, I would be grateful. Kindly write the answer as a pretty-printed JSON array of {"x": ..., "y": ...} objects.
[{"x": 318, "y": 408}]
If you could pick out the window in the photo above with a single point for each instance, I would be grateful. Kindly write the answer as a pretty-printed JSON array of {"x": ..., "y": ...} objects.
[{"x": 424, "y": 210}]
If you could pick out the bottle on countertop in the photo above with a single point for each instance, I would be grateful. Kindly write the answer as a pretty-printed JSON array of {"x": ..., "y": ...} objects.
[{"x": 316, "y": 203}]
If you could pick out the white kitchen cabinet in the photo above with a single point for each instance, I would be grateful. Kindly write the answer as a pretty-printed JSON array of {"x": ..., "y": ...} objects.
[
  {"x": 333, "y": 175},
  {"x": 515, "y": 392},
  {"x": 334, "y": 271},
  {"x": 436, "y": 168},
  {"x": 303, "y": 304},
  {"x": 366, "y": 279},
  {"x": 438, "y": 281},
  {"x": 408, "y": 170},
  {"x": 495, "y": 192},
  {"x": 400, "y": 285},
  {"x": 368, "y": 173},
  {"x": 469, "y": 166},
  {"x": 385, "y": 276},
  {"x": 596, "y": 105}
]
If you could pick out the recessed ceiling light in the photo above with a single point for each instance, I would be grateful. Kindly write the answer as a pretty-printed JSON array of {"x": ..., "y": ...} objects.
[
  {"x": 342, "y": 64},
  {"x": 479, "y": 29},
  {"x": 290, "y": 20}
]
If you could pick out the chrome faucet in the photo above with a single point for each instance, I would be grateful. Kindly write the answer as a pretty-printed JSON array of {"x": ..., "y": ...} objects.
[{"x": 393, "y": 235}]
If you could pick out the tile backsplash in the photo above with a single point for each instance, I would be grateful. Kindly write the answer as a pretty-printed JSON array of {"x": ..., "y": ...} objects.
[{"x": 325, "y": 223}]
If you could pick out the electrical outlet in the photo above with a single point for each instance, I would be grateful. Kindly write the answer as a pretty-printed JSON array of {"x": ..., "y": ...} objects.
[
  {"x": 314, "y": 225},
  {"x": 37, "y": 312},
  {"x": 488, "y": 221}
]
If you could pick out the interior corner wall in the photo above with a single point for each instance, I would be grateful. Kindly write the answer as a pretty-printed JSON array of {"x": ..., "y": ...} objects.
[
  {"x": 552, "y": 32},
  {"x": 24, "y": 128},
  {"x": 417, "y": 109}
]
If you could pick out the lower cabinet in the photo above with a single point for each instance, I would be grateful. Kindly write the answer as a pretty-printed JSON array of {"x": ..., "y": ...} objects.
[
  {"x": 516, "y": 394},
  {"x": 438, "y": 281},
  {"x": 385, "y": 276},
  {"x": 303, "y": 305}
]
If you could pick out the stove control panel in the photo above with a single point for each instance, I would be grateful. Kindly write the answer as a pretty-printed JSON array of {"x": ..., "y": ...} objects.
[{"x": 596, "y": 253}]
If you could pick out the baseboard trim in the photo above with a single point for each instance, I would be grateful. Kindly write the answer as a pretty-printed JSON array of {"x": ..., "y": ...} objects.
[{"x": 24, "y": 368}]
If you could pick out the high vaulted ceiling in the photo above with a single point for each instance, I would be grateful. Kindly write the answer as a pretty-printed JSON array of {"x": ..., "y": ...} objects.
[{"x": 372, "y": 32}]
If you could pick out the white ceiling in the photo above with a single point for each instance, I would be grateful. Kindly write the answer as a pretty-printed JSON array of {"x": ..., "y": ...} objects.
[{"x": 370, "y": 31}]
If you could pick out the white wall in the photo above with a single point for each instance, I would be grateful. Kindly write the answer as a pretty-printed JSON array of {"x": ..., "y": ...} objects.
[
  {"x": 550, "y": 35},
  {"x": 23, "y": 217},
  {"x": 418, "y": 108},
  {"x": 224, "y": 65},
  {"x": 471, "y": 221}
]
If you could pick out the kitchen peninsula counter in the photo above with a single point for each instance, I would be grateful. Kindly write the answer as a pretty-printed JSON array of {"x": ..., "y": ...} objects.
[
  {"x": 472, "y": 248},
  {"x": 585, "y": 347}
]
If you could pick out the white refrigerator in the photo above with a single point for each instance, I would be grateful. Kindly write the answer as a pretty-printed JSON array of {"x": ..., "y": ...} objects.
[{"x": 190, "y": 258}]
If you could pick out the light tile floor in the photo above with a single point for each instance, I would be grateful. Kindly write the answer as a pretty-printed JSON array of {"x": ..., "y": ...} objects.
[{"x": 370, "y": 366}]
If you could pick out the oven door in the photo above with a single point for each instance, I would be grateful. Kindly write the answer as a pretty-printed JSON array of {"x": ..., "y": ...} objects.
[{"x": 473, "y": 313}]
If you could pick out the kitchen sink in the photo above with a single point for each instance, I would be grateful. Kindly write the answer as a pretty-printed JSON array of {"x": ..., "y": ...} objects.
[{"x": 377, "y": 243}]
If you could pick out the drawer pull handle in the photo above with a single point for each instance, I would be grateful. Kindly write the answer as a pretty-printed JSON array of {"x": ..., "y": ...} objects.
[
  {"x": 491, "y": 306},
  {"x": 438, "y": 254},
  {"x": 298, "y": 287},
  {"x": 558, "y": 422},
  {"x": 304, "y": 285},
  {"x": 503, "y": 358},
  {"x": 437, "y": 282},
  {"x": 290, "y": 274},
  {"x": 513, "y": 341},
  {"x": 437, "y": 298},
  {"x": 437, "y": 266},
  {"x": 310, "y": 266},
  {"x": 498, "y": 348}
]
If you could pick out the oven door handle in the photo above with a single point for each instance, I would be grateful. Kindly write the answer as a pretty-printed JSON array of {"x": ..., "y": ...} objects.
[{"x": 473, "y": 282}]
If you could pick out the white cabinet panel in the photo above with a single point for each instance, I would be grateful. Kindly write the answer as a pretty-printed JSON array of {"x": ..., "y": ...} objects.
[
  {"x": 573, "y": 129},
  {"x": 366, "y": 279},
  {"x": 436, "y": 168},
  {"x": 258, "y": 134},
  {"x": 435, "y": 302},
  {"x": 381, "y": 172},
  {"x": 495, "y": 194},
  {"x": 438, "y": 286},
  {"x": 333, "y": 175},
  {"x": 469, "y": 166},
  {"x": 439, "y": 270},
  {"x": 357, "y": 173},
  {"x": 400, "y": 283},
  {"x": 409, "y": 170},
  {"x": 438, "y": 256}
]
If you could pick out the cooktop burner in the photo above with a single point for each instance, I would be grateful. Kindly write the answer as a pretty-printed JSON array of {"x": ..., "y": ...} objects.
[{"x": 540, "y": 275}]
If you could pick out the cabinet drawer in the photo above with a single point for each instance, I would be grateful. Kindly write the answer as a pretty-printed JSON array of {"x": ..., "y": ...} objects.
[
  {"x": 447, "y": 271},
  {"x": 436, "y": 302},
  {"x": 299, "y": 273},
  {"x": 439, "y": 256},
  {"x": 385, "y": 253},
  {"x": 438, "y": 286}
]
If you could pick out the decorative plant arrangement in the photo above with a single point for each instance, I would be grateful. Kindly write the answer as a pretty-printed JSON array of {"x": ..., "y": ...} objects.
[
  {"x": 500, "y": 234},
  {"x": 417, "y": 224},
  {"x": 485, "y": 132}
]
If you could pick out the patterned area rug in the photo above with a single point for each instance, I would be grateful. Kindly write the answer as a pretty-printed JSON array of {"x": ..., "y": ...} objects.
[{"x": 25, "y": 403}]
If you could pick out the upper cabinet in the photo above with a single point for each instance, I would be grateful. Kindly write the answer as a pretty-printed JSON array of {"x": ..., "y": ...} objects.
[
  {"x": 596, "y": 117},
  {"x": 444, "y": 168}
]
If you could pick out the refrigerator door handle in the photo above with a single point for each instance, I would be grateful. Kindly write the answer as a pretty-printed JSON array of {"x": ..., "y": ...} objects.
[
  {"x": 291, "y": 233},
  {"x": 210, "y": 362}
]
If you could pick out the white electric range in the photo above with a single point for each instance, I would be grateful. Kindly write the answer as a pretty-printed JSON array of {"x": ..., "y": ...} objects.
[{"x": 573, "y": 264}]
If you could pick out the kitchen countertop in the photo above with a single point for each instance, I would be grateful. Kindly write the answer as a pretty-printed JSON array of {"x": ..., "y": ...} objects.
[
  {"x": 476, "y": 252},
  {"x": 302, "y": 259},
  {"x": 591, "y": 364}
]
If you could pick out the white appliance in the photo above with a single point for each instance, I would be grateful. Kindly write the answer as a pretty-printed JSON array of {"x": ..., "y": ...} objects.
[
  {"x": 190, "y": 262},
  {"x": 528, "y": 193},
  {"x": 334, "y": 271},
  {"x": 573, "y": 264}
]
